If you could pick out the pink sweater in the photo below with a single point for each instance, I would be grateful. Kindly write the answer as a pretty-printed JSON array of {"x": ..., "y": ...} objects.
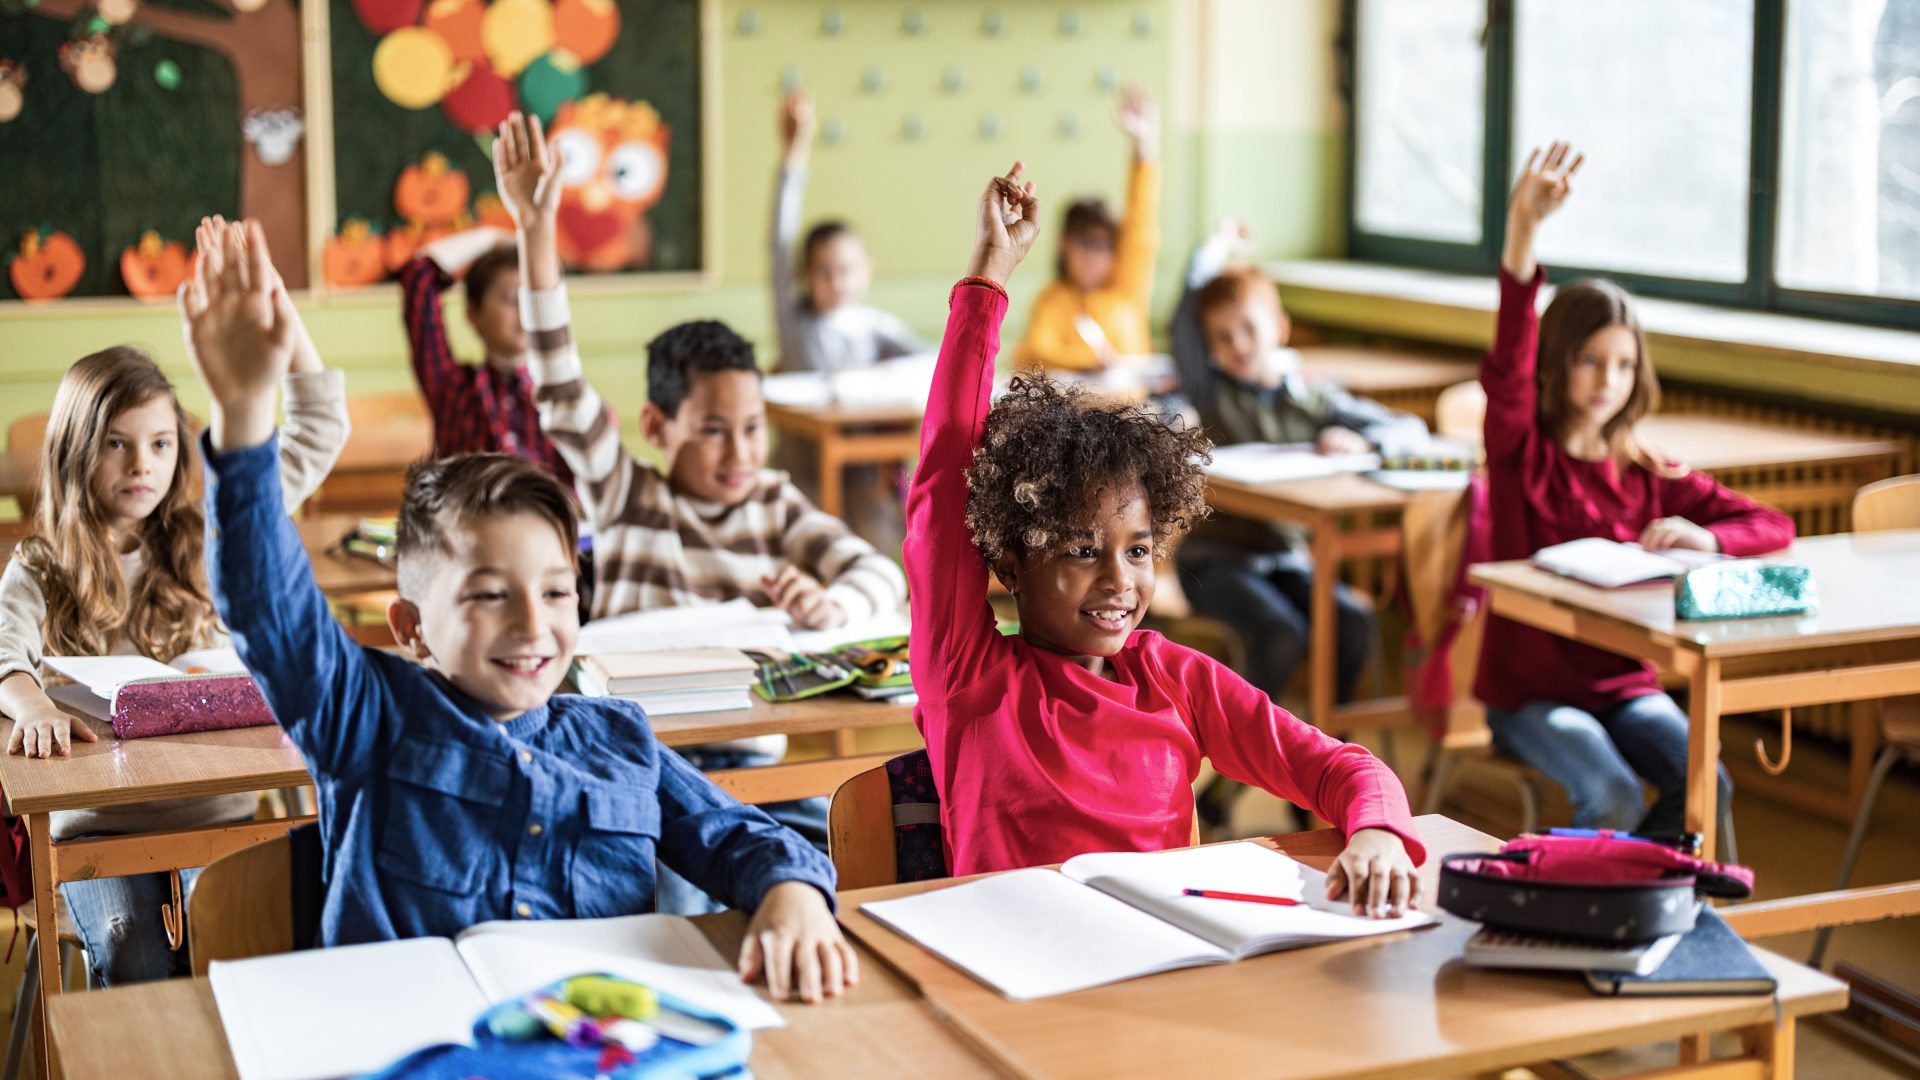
[
  {"x": 1539, "y": 495},
  {"x": 1038, "y": 759}
]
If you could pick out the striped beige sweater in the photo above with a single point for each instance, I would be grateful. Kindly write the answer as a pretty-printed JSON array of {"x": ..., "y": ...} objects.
[{"x": 653, "y": 547}]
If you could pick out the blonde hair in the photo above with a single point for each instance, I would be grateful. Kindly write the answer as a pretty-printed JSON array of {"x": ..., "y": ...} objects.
[{"x": 70, "y": 553}]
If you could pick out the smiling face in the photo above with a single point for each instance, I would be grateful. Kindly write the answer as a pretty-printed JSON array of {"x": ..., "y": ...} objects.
[
  {"x": 1601, "y": 376},
  {"x": 1084, "y": 596},
  {"x": 137, "y": 460},
  {"x": 497, "y": 614},
  {"x": 716, "y": 444},
  {"x": 838, "y": 272},
  {"x": 1243, "y": 337}
]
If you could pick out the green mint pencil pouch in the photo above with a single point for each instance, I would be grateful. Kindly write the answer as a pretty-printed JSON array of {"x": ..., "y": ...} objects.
[{"x": 1744, "y": 589}]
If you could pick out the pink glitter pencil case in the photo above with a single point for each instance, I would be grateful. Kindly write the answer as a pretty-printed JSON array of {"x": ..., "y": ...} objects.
[{"x": 159, "y": 706}]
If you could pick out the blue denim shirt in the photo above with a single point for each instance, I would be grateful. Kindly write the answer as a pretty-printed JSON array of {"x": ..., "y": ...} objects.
[{"x": 434, "y": 816}]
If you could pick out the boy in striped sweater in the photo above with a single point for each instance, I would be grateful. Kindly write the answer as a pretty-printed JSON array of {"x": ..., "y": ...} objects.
[{"x": 716, "y": 524}]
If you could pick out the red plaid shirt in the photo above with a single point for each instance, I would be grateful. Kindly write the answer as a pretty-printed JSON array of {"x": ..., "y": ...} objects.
[{"x": 476, "y": 408}]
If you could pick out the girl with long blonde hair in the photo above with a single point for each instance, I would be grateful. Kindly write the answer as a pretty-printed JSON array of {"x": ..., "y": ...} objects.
[{"x": 116, "y": 565}]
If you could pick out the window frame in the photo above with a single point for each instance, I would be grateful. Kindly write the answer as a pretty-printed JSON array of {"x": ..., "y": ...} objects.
[{"x": 1761, "y": 291}]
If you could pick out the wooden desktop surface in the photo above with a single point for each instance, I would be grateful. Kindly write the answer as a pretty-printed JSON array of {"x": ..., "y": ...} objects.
[
  {"x": 334, "y": 570},
  {"x": 1302, "y": 500},
  {"x": 1718, "y": 443},
  {"x": 1367, "y": 371},
  {"x": 879, "y": 1030},
  {"x": 1865, "y": 583},
  {"x": 1402, "y": 1005},
  {"x": 828, "y": 712}
]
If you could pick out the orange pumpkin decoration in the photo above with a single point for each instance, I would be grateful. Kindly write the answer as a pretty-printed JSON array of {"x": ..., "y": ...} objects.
[
  {"x": 354, "y": 257},
  {"x": 47, "y": 267},
  {"x": 153, "y": 268},
  {"x": 403, "y": 242},
  {"x": 489, "y": 210},
  {"x": 431, "y": 193}
]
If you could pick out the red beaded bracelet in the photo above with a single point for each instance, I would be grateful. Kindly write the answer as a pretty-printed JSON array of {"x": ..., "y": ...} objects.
[{"x": 988, "y": 282}]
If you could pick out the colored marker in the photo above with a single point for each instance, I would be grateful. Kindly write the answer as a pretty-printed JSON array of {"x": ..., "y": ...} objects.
[{"x": 1251, "y": 898}]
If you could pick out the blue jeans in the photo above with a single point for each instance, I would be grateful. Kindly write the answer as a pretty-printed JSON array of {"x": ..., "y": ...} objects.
[
  {"x": 1601, "y": 758},
  {"x": 675, "y": 895},
  {"x": 118, "y": 919}
]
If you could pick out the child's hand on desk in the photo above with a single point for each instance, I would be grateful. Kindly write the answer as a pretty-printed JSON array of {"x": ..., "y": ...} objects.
[
  {"x": 240, "y": 331},
  {"x": 43, "y": 732},
  {"x": 1377, "y": 873},
  {"x": 1339, "y": 440},
  {"x": 795, "y": 943},
  {"x": 1662, "y": 534},
  {"x": 797, "y": 593},
  {"x": 1008, "y": 224}
]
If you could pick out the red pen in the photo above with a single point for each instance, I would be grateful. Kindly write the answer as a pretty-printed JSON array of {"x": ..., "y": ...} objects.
[{"x": 1250, "y": 898}]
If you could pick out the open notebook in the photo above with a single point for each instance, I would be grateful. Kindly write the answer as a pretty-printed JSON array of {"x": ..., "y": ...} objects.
[
  {"x": 1108, "y": 917},
  {"x": 1273, "y": 463},
  {"x": 347, "y": 1011},
  {"x": 1612, "y": 565}
]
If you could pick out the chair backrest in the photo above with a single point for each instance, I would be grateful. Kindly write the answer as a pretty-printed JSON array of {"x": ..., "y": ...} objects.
[
  {"x": 1448, "y": 620},
  {"x": 860, "y": 831},
  {"x": 367, "y": 411},
  {"x": 25, "y": 435},
  {"x": 1888, "y": 504},
  {"x": 258, "y": 901},
  {"x": 1460, "y": 410}
]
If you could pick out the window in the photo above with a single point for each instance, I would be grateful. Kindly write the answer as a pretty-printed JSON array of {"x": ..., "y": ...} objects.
[{"x": 1763, "y": 153}]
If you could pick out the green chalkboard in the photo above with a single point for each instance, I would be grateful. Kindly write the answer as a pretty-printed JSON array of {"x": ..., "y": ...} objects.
[{"x": 387, "y": 49}]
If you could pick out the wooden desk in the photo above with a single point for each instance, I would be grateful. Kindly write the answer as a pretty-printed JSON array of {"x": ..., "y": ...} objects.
[
  {"x": 1810, "y": 475},
  {"x": 839, "y": 713},
  {"x": 18, "y": 474},
  {"x": 1408, "y": 381},
  {"x": 111, "y": 772},
  {"x": 336, "y": 572},
  {"x": 1403, "y": 1005},
  {"x": 1862, "y": 643},
  {"x": 880, "y": 1030},
  {"x": 371, "y": 473},
  {"x": 844, "y": 435}
]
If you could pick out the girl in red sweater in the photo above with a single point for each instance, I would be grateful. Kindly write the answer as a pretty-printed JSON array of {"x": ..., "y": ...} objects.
[
  {"x": 1564, "y": 391},
  {"x": 1084, "y": 733}
]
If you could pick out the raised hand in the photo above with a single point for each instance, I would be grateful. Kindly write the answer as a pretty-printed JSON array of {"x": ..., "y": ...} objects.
[
  {"x": 796, "y": 127},
  {"x": 240, "y": 331},
  {"x": 1140, "y": 118},
  {"x": 1544, "y": 183},
  {"x": 526, "y": 171},
  {"x": 1008, "y": 224}
]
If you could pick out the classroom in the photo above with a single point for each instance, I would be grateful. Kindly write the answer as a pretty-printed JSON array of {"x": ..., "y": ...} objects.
[{"x": 560, "y": 538}]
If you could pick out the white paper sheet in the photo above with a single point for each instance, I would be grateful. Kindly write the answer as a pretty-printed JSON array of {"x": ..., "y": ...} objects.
[
  {"x": 1611, "y": 565},
  {"x": 1273, "y": 463},
  {"x": 736, "y": 624},
  {"x": 343, "y": 1012},
  {"x": 509, "y": 959},
  {"x": 106, "y": 674}
]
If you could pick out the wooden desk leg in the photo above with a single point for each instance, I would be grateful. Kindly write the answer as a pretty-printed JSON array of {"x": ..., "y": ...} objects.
[
  {"x": 843, "y": 744},
  {"x": 1703, "y": 755},
  {"x": 833, "y": 477},
  {"x": 46, "y": 910},
  {"x": 1323, "y": 628},
  {"x": 1863, "y": 744},
  {"x": 1772, "y": 1046}
]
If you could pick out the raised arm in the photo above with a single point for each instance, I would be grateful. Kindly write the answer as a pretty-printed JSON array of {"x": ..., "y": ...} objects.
[
  {"x": 1192, "y": 356},
  {"x": 526, "y": 169},
  {"x": 1139, "y": 239},
  {"x": 422, "y": 281},
  {"x": 1507, "y": 370},
  {"x": 947, "y": 579},
  {"x": 796, "y": 141},
  {"x": 241, "y": 337}
]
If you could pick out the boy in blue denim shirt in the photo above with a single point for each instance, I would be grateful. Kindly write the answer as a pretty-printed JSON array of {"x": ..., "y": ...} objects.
[{"x": 454, "y": 786}]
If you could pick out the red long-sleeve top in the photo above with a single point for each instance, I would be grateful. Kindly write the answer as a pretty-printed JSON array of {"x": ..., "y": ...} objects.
[
  {"x": 1540, "y": 495},
  {"x": 1037, "y": 758}
]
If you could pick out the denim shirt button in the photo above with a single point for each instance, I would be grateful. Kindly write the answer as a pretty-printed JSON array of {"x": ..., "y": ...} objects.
[
  {"x": 526, "y": 757},
  {"x": 523, "y": 909},
  {"x": 536, "y": 829}
]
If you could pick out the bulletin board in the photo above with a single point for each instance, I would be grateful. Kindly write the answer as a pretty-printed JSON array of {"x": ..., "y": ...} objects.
[
  {"x": 419, "y": 87},
  {"x": 123, "y": 121}
]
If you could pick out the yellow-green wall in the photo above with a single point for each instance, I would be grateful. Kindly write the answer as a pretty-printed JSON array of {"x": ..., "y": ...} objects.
[{"x": 1245, "y": 90}]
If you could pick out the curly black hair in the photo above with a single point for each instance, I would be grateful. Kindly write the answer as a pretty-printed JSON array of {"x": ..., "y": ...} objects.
[
  {"x": 700, "y": 347},
  {"x": 1049, "y": 450}
]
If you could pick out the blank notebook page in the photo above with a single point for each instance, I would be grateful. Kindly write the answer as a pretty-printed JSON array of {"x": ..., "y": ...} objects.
[{"x": 1031, "y": 933}]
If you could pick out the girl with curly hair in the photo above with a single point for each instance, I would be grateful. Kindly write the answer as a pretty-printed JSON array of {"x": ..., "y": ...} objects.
[
  {"x": 1083, "y": 732},
  {"x": 116, "y": 565}
]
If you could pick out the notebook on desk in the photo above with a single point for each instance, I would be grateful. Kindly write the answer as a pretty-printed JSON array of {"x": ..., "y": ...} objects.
[
  {"x": 1610, "y": 564},
  {"x": 1109, "y": 917},
  {"x": 1709, "y": 959},
  {"x": 348, "y": 1011}
]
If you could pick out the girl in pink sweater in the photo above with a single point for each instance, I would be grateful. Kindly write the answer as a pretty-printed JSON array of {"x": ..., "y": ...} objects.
[
  {"x": 1564, "y": 391},
  {"x": 1084, "y": 733}
]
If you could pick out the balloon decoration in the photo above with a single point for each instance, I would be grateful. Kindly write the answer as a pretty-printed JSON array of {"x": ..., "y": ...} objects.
[
  {"x": 354, "y": 257},
  {"x": 479, "y": 61},
  {"x": 153, "y": 268},
  {"x": 90, "y": 62},
  {"x": 116, "y": 12},
  {"x": 13, "y": 86},
  {"x": 46, "y": 267}
]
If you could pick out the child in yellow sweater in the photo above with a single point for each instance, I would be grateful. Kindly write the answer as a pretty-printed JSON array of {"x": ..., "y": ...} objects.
[{"x": 1096, "y": 307}]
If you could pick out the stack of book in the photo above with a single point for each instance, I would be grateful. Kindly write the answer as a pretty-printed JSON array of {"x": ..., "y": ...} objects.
[
  {"x": 671, "y": 683},
  {"x": 1709, "y": 959}
]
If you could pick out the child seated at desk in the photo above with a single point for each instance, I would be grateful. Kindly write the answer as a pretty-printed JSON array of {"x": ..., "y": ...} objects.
[
  {"x": 1564, "y": 391},
  {"x": 827, "y": 324},
  {"x": 1229, "y": 346},
  {"x": 115, "y": 566},
  {"x": 1084, "y": 733},
  {"x": 1095, "y": 309},
  {"x": 715, "y": 525},
  {"x": 455, "y": 786}
]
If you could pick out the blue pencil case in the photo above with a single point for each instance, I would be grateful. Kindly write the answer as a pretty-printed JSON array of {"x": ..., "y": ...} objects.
[{"x": 508, "y": 1044}]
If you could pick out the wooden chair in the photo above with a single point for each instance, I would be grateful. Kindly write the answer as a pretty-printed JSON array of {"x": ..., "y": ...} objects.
[
  {"x": 258, "y": 901},
  {"x": 73, "y": 957},
  {"x": 1459, "y": 411},
  {"x": 25, "y": 435},
  {"x": 1886, "y": 504}
]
